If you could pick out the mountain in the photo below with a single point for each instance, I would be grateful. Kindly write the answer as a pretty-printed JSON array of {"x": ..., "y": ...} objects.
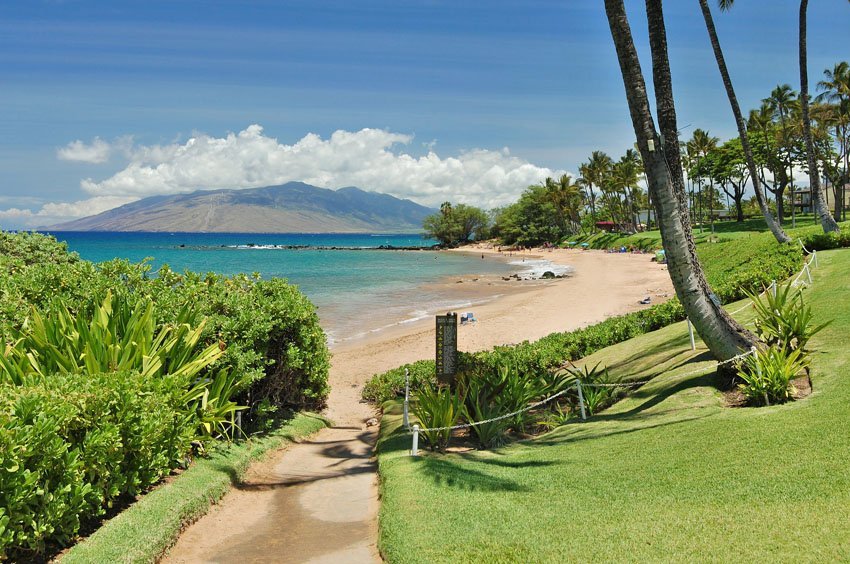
[{"x": 293, "y": 207}]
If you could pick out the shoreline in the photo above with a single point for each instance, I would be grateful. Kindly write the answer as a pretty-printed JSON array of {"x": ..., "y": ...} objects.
[{"x": 602, "y": 285}]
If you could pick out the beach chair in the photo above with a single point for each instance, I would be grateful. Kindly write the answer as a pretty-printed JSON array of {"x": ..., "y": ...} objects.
[{"x": 467, "y": 317}]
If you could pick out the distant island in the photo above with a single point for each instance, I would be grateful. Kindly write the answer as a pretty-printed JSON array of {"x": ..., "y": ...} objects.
[{"x": 293, "y": 207}]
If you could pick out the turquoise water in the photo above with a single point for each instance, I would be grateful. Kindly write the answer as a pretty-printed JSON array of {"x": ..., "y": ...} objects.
[{"x": 357, "y": 288}]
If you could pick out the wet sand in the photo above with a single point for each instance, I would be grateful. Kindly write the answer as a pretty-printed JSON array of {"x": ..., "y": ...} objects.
[{"x": 317, "y": 501}]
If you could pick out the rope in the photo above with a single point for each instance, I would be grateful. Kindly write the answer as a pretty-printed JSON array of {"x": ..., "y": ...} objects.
[
  {"x": 494, "y": 419},
  {"x": 562, "y": 392},
  {"x": 807, "y": 251}
]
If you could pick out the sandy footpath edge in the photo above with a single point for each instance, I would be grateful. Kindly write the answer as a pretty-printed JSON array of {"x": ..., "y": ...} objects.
[{"x": 318, "y": 500}]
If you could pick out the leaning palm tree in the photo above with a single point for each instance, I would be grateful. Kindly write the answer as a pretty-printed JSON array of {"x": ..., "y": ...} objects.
[
  {"x": 772, "y": 224},
  {"x": 821, "y": 210},
  {"x": 665, "y": 180}
]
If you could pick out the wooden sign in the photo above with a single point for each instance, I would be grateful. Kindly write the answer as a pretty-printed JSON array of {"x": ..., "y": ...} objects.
[{"x": 446, "y": 348}]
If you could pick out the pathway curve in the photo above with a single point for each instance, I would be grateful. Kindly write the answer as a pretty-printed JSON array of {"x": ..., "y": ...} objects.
[{"x": 315, "y": 501}]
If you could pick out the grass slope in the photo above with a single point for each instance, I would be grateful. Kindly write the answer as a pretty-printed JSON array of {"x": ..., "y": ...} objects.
[
  {"x": 669, "y": 473},
  {"x": 723, "y": 231},
  {"x": 144, "y": 531}
]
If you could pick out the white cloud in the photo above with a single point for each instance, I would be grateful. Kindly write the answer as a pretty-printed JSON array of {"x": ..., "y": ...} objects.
[
  {"x": 96, "y": 153},
  {"x": 51, "y": 213},
  {"x": 367, "y": 158}
]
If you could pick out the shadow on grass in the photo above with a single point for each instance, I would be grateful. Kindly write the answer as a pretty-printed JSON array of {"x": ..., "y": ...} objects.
[
  {"x": 559, "y": 438},
  {"x": 678, "y": 347},
  {"x": 459, "y": 474},
  {"x": 655, "y": 398}
]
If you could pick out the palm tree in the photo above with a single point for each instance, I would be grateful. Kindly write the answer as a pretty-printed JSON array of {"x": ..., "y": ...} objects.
[
  {"x": 566, "y": 198},
  {"x": 774, "y": 227},
  {"x": 770, "y": 157},
  {"x": 702, "y": 144},
  {"x": 782, "y": 101},
  {"x": 595, "y": 172},
  {"x": 836, "y": 90},
  {"x": 627, "y": 172},
  {"x": 827, "y": 221},
  {"x": 660, "y": 154}
]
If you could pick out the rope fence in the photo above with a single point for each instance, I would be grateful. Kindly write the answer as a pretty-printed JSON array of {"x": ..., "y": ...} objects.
[{"x": 416, "y": 429}]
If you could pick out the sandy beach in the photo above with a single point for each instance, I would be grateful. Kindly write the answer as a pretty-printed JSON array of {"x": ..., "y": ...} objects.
[
  {"x": 317, "y": 501},
  {"x": 601, "y": 285}
]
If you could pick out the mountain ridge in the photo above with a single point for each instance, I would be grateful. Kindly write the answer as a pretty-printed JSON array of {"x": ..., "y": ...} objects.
[{"x": 294, "y": 207}]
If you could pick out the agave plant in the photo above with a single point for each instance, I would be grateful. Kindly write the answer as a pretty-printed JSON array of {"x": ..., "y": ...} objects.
[
  {"x": 482, "y": 404},
  {"x": 435, "y": 408},
  {"x": 596, "y": 398},
  {"x": 783, "y": 320},
  {"x": 767, "y": 375}
]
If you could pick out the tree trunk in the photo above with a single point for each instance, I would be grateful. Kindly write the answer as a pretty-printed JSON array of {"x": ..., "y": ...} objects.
[
  {"x": 772, "y": 224},
  {"x": 723, "y": 336},
  {"x": 818, "y": 199}
]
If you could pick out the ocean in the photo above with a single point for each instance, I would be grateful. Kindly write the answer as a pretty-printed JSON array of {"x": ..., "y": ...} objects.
[{"x": 358, "y": 288}]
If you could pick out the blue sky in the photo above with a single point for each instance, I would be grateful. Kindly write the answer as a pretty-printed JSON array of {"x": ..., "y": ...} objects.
[{"x": 459, "y": 100}]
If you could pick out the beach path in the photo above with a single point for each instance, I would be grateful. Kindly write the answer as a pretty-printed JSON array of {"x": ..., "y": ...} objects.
[{"x": 317, "y": 500}]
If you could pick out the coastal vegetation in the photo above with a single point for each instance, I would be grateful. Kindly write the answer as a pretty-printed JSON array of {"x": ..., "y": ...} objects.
[
  {"x": 456, "y": 224},
  {"x": 110, "y": 378}
]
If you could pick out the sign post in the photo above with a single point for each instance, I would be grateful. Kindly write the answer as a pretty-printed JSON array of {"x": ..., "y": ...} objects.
[{"x": 446, "y": 348}]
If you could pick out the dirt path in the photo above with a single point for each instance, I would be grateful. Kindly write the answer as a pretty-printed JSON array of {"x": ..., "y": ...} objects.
[{"x": 317, "y": 501}]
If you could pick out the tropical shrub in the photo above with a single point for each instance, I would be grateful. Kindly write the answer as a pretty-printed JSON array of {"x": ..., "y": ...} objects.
[
  {"x": 783, "y": 320},
  {"x": 596, "y": 397},
  {"x": 71, "y": 444},
  {"x": 767, "y": 375},
  {"x": 271, "y": 330},
  {"x": 480, "y": 405},
  {"x": 437, "y": 407},
  {"x": 115, "y": 335}
]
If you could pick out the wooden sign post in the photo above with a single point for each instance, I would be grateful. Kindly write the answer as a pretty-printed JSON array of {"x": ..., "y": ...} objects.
[{"x": 446, "y": 349}]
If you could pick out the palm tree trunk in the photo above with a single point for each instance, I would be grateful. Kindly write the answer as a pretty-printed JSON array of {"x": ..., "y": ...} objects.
[
  {"x": 818, "y": 199},
  {"x": 723, "y": 336},
  {"x": 772, "y": 224}
]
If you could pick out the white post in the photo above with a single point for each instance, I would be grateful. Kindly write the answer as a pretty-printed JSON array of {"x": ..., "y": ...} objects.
[
  {"x": 405, "y": 420},
  {"x": 808, "y": 272},
  {"x": 581, "y": 400},
  {"x": 815, "y": 257},
  {"x": 414, "y": 450},
  {"x": 773, "y": 288},
  {"x": 691, "y": 333}
]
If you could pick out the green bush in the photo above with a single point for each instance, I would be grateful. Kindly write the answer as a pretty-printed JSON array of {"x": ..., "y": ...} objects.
[
  {"x": 71, "y": 444},
  {"x": 271, "y": 330},
  {"x": 820, "y": 241},
  {"x": 596, "y": 397},
  {"x": 767, "y": 375},
  {"x": 783, "y": 320},
  {"x": 437, "y": 407}
]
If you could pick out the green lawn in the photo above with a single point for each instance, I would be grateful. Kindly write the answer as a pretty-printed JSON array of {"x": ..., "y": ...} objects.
[
  {"x": 723, "y": 231},
  {"x": 666, "y": 474}
]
